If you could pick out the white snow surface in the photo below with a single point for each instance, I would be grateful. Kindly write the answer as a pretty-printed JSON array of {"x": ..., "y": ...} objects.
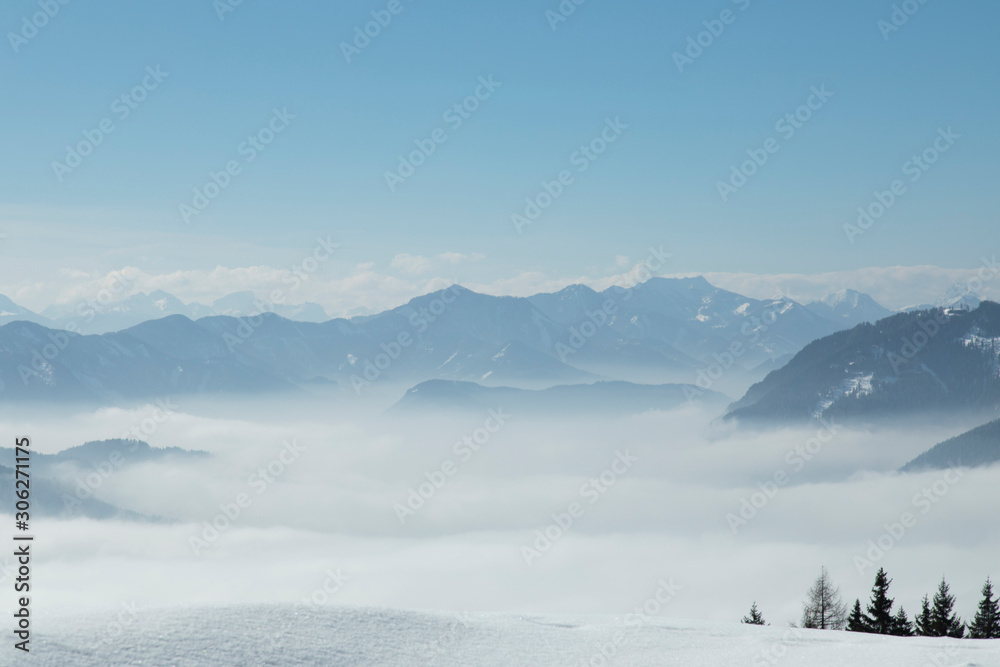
[{"x": 333, "y": 636}]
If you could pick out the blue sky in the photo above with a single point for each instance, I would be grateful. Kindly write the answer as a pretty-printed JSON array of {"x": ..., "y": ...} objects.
[{"x": 656, "y": 185}]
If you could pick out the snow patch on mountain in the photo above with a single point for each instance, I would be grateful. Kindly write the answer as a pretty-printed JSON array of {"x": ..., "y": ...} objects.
[
  {"x": 859, "y": 385},
  {"x": 990, "y": 346}
]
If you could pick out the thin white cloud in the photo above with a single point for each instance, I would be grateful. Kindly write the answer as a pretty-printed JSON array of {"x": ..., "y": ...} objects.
[
  {"x": 411, "y": 264},
  {"x": 459, "y": 258},
  {"x": 417, "y": 265}
]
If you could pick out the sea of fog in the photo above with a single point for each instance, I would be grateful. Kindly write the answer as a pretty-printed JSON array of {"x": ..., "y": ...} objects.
[{"x": 303, "y": 503}]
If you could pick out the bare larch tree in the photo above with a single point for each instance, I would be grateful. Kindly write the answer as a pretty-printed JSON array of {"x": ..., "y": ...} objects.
[{"x": 823, "y": 609}]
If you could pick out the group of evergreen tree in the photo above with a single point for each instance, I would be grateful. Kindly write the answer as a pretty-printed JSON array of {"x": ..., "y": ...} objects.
[
  {"x": 824, "y": 610},
  {"x": 878, "y": 617}
]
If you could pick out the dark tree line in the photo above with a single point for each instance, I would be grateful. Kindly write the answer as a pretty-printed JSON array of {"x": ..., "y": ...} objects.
[{"x": 825, "y": 610}]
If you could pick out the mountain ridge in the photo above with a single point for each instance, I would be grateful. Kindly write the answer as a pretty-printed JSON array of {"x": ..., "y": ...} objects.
[
  {"x": 598, "y": 398},
  {"x": 929, "y": 360},
  {"x": 975, "y": 448},
  {"x": 663, "y": 331}
]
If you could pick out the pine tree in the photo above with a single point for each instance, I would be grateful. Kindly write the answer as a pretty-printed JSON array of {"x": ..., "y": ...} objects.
[
  {"x": 944, "y": 622},
  {"x": 857, "y": 622},
  {"x": 754, "y": 617},
  {"x": 901, "y": 626},
  {"x": 922, "y": 622},
  {"x": 824, "y": 610},
  {"x": 879, "y": 616},
  {"x": 986, "y": 625}
]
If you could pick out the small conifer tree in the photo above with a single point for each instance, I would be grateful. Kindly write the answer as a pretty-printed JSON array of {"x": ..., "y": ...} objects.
[
  {"x": 944, "y": 621},
  {"x": 986, "y": 624},
  {"x": 857, "y": 622},
  {"x": 754, "y": 617},
  {"x": 922, "y": 623},
  {"x": 901, "y": 625},
  {"x": 879, "y": 613}
]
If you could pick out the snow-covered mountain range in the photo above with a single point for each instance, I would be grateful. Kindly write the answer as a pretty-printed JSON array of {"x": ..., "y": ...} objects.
[
  {"x": 661, "y": 331},
  {"x": 846, "y": 307}
]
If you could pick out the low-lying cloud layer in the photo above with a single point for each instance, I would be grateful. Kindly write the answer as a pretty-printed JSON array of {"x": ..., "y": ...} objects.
[{"x": 496, "y": 512}]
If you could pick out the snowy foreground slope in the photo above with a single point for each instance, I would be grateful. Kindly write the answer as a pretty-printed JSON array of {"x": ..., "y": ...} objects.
[{"x": 289, "y": 635}]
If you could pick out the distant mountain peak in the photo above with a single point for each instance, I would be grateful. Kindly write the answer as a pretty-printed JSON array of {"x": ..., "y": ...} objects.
[
  {"x": 963, "y": 298},
  {"x": 574, "y": 290},
  {"x": 7, "y": 304},
  {"x": 849, "y": 307},
  {"x": 235, "y": 298},
  {"x": 845, "y": 296},
  {"x": 11, "y": 312}
]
